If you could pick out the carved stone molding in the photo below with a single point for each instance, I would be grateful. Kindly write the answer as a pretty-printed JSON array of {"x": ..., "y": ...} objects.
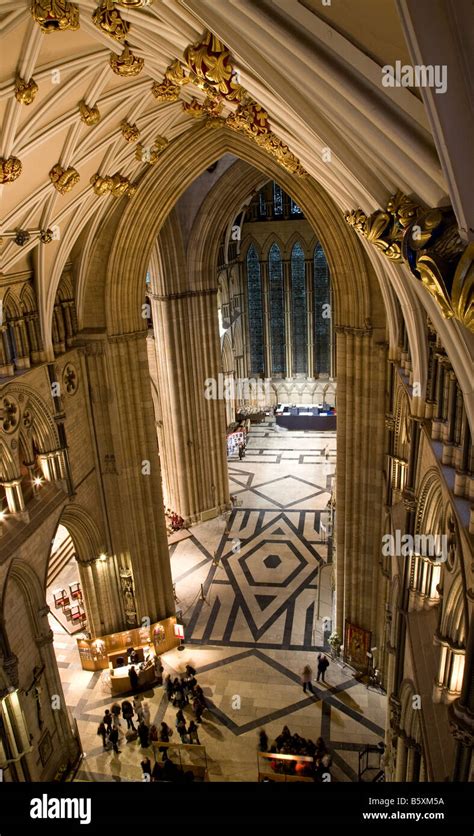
[
  {"x": 428, "y": 242},
  {"x": 25, "y": 91},
  {"x": 63, "y": 179},
  {"x": 126, "y": 64},
  {"x": 9, "y": 414},
  {"x": 55, "y": 15},
  {"x": 70, "y": 379},
  {"x": 107, "y": 18},
  {"x": 10, "y": 169},
  {"x": 89, "y": 115}
]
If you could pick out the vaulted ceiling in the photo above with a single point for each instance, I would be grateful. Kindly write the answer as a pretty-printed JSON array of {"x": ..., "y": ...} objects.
[{"x": 314, "y": 68}]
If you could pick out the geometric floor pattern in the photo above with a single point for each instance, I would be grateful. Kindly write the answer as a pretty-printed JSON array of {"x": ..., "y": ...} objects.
[{"x": 252, "y": 594}]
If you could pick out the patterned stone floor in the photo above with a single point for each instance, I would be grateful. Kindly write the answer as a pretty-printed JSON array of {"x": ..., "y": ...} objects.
[{"x": 247, "y": 586}]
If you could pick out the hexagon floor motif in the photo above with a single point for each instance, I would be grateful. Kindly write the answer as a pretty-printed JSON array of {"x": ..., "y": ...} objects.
[{"x": 272, "y": 561}]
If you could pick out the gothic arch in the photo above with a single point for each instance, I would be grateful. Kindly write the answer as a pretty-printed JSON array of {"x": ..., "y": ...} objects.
[{"x": 119, "y": 305}]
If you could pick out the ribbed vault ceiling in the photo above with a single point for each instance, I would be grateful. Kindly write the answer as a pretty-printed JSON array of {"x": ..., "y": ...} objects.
[{"x": 321, "y": 87}]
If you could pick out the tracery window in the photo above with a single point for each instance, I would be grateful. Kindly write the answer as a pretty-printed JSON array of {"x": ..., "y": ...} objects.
[
  {"x": 277, "y": 309},
  {"x": 322, "y": 312},
  {"x": 255, "y": 311},
  {"x": 277, "y": 199},
  {"x": 299, "y": 310}
]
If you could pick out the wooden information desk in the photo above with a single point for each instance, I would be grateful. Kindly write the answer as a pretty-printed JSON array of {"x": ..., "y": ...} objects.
[{"x": 104, "y": 651}]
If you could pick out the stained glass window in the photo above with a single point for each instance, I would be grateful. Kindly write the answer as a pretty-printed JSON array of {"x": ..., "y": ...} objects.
[
  {"x": 294, "y": 208},
  {"x": 277, "y": 309},
  {"x": 255, "y": 311},
  {"x": 298, "y": 310},
  {"x": 322, "y": 313},
  {"x": 277, "y": 199},
  {"x": 262, "y": 206}
]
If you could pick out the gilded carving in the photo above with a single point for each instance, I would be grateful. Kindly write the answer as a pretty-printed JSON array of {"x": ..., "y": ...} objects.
[
  {"x": 150, "y": 154},
  {"x": 63, "y": 179},
  {"x": 46, "y": 236},
  {"x": 107, "y": 18},
  {"x": 25, "y": 91},
  {"x": 134, "y": 4},
  {"x": 101, "y": 185},
  {"x": 176, "y": 75},
  {"x": 55, "y": 15},
  {"x": 10, "y": 169},
  {"x": 250, "y": 118},
  {"x": 116, "y": 184},
  {"x": 129, "y": 132},
  {"x": 126, "y": 64},
  {"x": 165, "y": 91},
  {"x": 89, "y": 115},
  {"x": 210, "y": 68},
  {"x": 209, "y": 107}
]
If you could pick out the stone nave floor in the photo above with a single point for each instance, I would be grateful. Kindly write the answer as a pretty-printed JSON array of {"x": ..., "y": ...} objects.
[{"x": 246, "y": 584}]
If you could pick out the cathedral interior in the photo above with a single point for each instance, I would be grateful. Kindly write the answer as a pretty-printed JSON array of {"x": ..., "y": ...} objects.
[{"x": 236, "y": 388}]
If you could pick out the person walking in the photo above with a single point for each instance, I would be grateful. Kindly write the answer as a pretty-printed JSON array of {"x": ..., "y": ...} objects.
[
  {"x": 107, "y": 719},
  {"x": 144, "y": 735},
  {"x": 169, "y": 688},
  {"x": 262, "y": 741},
  {"x": 133, "y": 677},
  {"x": 323, "y": 664},
  {"x": 128, "y": 712},
  {"x": 193, "y": 733},
  {"x": 113, "y": 737},
  {"x": 116, "y": 712},
  {"x": 102, "y": 732},
  {"x": 306, "y": 678},
  {"x": 146, "y": 713},
  {"x": 198, "y": 709},
  {"x": 138, "y": 708},
  {"x": 146, "y": 768}
]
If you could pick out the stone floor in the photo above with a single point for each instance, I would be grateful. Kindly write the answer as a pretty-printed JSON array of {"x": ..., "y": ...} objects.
[{"x": 247, "y": 587}]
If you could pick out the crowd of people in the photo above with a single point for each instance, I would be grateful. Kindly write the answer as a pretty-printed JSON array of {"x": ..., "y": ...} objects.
[
  {"x": 131, "y": 720},
  {"x": 319, "y": 768}
]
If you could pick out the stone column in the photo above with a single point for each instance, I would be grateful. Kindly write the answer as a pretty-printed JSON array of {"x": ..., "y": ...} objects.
[
  {"x": 7, "y": 368},
  {"x": 461, "y": 716},
  {"x": 14, "y": 494},
  {"x": 402, "y": 757},
  {"x": 359, "y": 487},
  {"x": 123, "y": 428},
  {"x": 308, "y": 269},
  {"x": 193, "y": 411}
]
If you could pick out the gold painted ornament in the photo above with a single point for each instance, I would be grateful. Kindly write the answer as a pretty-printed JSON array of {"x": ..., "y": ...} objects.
[
  {"x": 134, "y": 4},
  {"x": 166, "y": 91},
  {"x": 126, "y": 64},
  {"x": 428, "y": 241},
  {"x": 117, "y": 185},
  {"x": 150, "y": 154},
  {"x": 10, "y": 169},
  {"x": 55, "y": 15},
  {"x": 89, "y": 115},
  {"x": 107, "y": 18},
  {"x": 25, "y": 91},
  {"x": 129, "y": 132},
  {"x": 175, "y": 73},
  {"x": 210, "y": 67},
  {"x": 63, "y": 179}
]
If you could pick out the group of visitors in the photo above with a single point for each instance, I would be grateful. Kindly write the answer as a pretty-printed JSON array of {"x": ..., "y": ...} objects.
[
  {"x": 184, "y": 691},
  {"x": 293, "y": 744},
  {"x": 110, "y": 728}
]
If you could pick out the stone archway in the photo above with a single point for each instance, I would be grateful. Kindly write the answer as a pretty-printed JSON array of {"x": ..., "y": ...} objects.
[{"x": 115, "y": 301}]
